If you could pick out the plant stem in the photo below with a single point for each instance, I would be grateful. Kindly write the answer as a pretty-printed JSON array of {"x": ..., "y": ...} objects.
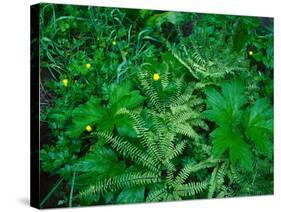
[{"x": 71, "y": 191}]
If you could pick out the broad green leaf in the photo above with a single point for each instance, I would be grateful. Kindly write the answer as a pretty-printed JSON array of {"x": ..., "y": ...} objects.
[
  {"x": 119, "y": 91},
  {"x": 131, "y": 100},
  {"x": 123, "y": 97},
  {"x": 107, "y": 122},
  {"x": 131, "y": 195},
  {"x": 99, "y": 163},
  {"x": 125, "y": 126},
  {"x": 89, "y": 113},
  {"x": 258, "y": 124},
  {"x": 234, "y": 94},
  {"x": 224, "y": 108},
  {"x": 231, "y": 140}
]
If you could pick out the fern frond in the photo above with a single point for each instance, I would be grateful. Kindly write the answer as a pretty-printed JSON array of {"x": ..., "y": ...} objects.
[
  {"x": 184, "y": 174},
  {"x": 119, "y": 182},
  {"x": 178, "y": 149},
  {"x": 156, "y": 195},
  {"x": 150, "y": 91},
  {"x": 138, "y": 125},
  {"x": 129, "y": 150},
  {"x": 187, "y": 130},
  {"x": 182, "y": 99},
  {"x": 212, "y": 183},
  {"x": 190, "y": 168},
  {"x": 224, "y": 192},
  {"x": 207, "y": 65},
  {"x": 221, "y": 175},
  {"x": 191, "y": 188},
  {"x": 234, "y": 175}
]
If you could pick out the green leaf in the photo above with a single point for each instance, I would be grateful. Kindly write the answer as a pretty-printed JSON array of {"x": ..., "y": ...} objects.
[
  {"x": 131, "y": 195},
  {"x": 123, "y": 97},
  {"x": 226, "y": 138},
  {"x": 89, "y": 113},
  {"x": 131, "y": 100},
  {"x": 171, "y": 17},
  {"x": 125, "y": 126},
  {"x": 224, "y": 108},
  {"x": 118, "y": 91},
  {"x": 258, "y": 124},
  {"x": 240, "y": 36},
  {"x": 107, "y": 122},
  {"x": 99, "y": 163}
]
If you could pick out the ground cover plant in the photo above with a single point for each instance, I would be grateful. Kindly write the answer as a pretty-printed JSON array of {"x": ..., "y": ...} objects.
[{"x": 147, "y": 106}]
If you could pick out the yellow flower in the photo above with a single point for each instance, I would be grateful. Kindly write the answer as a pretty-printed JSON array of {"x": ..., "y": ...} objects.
[
  {"x": 114, "y": 43},
  {"x": 65, "y": 82},
  {"x": 156, "y": 77},
  {"x": 89, "y": 128},
  {"x": 251, "y": 53},
  {"x": 88, "y": 65}
]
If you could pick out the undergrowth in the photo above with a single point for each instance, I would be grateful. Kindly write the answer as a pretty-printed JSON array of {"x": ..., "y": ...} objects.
[{"x": 145, "y": 106}]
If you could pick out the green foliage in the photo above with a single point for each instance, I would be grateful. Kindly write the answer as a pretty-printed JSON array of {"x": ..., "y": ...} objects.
[
  {"x": 211, "y": 66},
  {"x": 106, "y": 118},
  {"x": 237, "y": 125},
  {"x": 146, "y": 106},
  {"x": 166, "y": 17},
  {"x": 131, "y": 195}
]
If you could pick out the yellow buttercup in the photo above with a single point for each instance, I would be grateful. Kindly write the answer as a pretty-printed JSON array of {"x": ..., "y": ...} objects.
[
  {"x": 156, "y": 77},
  {"x": 65, "y": 82},
  {"x": 88, "y": 128},
  {"x": 88, "y": 65}
]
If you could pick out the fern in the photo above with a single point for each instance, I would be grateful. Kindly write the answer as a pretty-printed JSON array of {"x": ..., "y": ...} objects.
[
  {"x": 208, "y": 66},
  {"x": 155, "y": 157},
  {"x": 118, "y": 182},
  {"x": 129, "y": 150},
  {"x": 172, "y": 119},
  {"x": 179, "y": 107},
  {"x": 190, "y": 189}
]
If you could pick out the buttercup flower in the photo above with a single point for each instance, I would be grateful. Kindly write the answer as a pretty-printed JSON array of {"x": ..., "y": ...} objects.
[
  {"x": 88, "y": 128},
  {"x": 88, "y": 65},
  {"x": 65, "y": 82},
  {"x": 156, "y": 77}
]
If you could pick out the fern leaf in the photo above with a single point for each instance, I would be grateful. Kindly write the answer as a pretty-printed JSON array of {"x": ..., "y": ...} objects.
[
  {"x": 156, "y": 195},
  {"x": 129, "y": 150},
  {"x": 191, "y": 188},
  {"x": 119, "y": 182}
]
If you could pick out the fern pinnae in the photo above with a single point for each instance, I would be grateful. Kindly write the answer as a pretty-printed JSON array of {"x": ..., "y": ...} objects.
[
  {"x": 129, "y": 150},
  {"x": 190, "y": 168},
  {"x": 183, "y": 174},
  {"x": 221, "y": 174},
  {"x": 119, "y": 182},
  {"x": 212, "y": 183},
  {"x": 191, "y": 188},
  {"x": 178, "y": 149},
  {"x": 150, "y": 91},
  {"x": 189, "y": 68},
  {"x": 156, "y": 195}
]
